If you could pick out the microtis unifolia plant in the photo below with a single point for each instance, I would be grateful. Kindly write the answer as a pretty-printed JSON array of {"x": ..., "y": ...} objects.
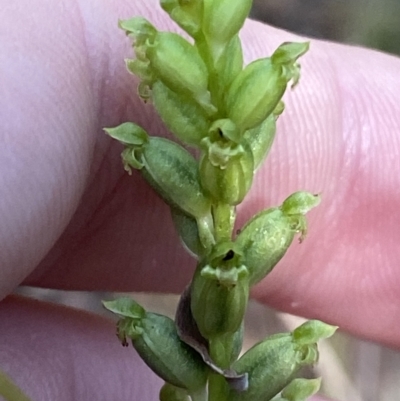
[{"x": 227, "y": 112}]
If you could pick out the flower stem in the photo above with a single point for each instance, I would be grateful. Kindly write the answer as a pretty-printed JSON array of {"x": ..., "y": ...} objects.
[{"x": 224, "y": 221}]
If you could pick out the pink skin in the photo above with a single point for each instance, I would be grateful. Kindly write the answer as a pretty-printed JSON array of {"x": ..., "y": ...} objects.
[{"x": 72, "y": 219}]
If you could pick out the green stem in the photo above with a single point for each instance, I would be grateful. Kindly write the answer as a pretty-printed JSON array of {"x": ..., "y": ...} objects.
[
  {"x": 224, "y": 221},
  {"x": 9, "y": 390},
  {"x": 217, "y": 388},
  {"x": 221, "y": 353}
]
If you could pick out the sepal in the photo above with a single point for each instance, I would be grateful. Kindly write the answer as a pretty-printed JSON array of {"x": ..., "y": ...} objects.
[
  {"x": 128, "y": 134},
  {"x": 255, "y": 93},
  {"x": 300, "y": 202},
  {"x": 313, "y": 331}
]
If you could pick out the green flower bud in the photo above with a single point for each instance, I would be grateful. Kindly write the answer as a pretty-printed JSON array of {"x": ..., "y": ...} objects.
[
  {"x": 173, "y": 173},
  {"x": 226, "y": 166},
  {"x": 186, "y": 13},
  {"x": 264, "y": 240},
  {"x": 222, "y": 20},
  {"x": 178, "y": 65},
  {"x": 271, "y": 365},
  {"x": 219, "y": 291},
  {"x": 255, "y": 93},
  {"x": 169, "y": 392},
  {"x": 156, "y": 340},
  {"x": 300, "y": 389},
  {"x": 182, "y": 115},
  {"x": 171, "y": 170},
  {"x": 267, "y": 236}
]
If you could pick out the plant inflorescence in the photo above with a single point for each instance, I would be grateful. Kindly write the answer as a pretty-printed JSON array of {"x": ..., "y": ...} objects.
[{"x": 211, "y": 102}]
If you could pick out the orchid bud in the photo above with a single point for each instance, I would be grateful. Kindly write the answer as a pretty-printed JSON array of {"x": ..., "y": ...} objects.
[
  {"x": 181, "y": 114},
  {"x": 173, "y": 173},
  {"x": 226, "y": 166},
  {"x": 178, "y": 65},
  {"x": 187, "y": 14},
  {"x": 271, "y": 365},
  {"x": 222, "y": 20},
  {"x": 255, "y": 93},
  {"x": 171, "y": 170},
  {"x": 267, "y": 236},
  {"x": 219, "y": 291},
  {"x": 264, "y": 240},
  {"x": 154, "y": 336}
]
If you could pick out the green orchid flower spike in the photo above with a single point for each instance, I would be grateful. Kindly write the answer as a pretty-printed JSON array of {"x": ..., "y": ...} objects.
[{"x": 224, "y": 115}]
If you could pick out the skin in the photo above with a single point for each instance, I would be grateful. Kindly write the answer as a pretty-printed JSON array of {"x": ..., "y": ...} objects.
[{"x": 72, "y": 219}]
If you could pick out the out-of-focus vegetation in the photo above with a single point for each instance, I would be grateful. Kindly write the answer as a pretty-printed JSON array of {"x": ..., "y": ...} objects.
[{"x": 371, "y": 23}]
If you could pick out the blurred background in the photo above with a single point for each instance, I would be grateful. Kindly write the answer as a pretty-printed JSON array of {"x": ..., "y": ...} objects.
[
  {"x": 353, "y": 370},
  {"x": 371, "y": 23}
]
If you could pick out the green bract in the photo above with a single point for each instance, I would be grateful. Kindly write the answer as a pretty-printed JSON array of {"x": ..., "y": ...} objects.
[{"x": 227, "y": 112}]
